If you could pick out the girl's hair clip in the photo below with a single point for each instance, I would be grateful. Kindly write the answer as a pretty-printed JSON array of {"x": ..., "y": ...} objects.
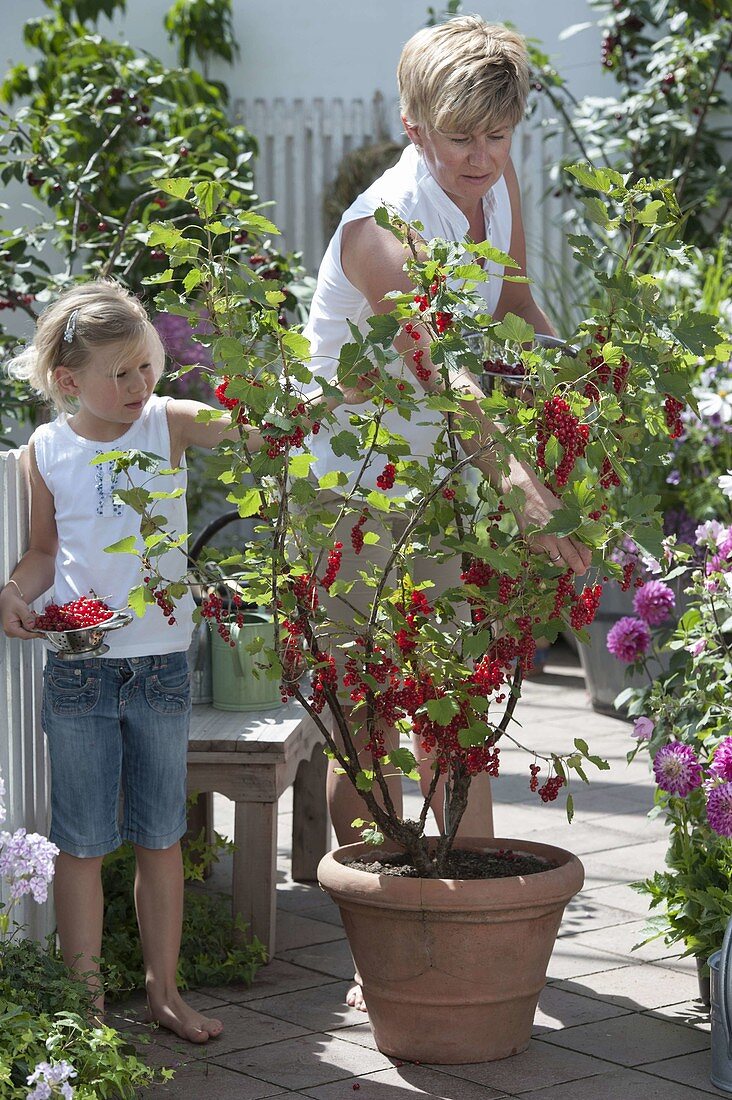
[{"x": 70, "y": 326}]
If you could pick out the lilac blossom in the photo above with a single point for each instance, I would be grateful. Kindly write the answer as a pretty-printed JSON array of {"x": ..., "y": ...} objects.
[
  {"x": 51, "y": 1080},
  {"x": 719, "y": 808},
  {"x": 26, "y": 861},
  {"x": 721, "y": 765},
  {"x": 677, "y": 769},
  {"x": 654, "y": 602},
  {"x": 177, "y": 336},
  {"x": 643, "y": 728},
  {"x": 629, "y": 639}
]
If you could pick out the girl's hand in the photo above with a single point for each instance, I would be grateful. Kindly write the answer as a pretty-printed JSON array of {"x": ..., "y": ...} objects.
[{"x": 16, "y": 617}]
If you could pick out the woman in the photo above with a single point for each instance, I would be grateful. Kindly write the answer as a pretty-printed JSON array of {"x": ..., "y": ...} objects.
[{"x": 463, "y": 88}]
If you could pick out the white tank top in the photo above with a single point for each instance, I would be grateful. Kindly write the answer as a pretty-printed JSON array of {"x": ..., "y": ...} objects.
[
  {"x": 88, "y": 518},
  {"x": 409, "y": 188}
]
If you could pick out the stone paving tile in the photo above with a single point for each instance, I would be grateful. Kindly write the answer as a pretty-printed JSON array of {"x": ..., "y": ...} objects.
[
  {"x": 691, "y": 1070},
  {"x": 622, "y": 940},
  {"x": 359, "y": 1033},
  {"x": 408, "y": 1081},
  {"x": 620, "y": 896},
  {"x": 636, "y": 861},
  {"x": 689, "y": 1013},
  {"x": 538, "y": 1064},
  {"x": 630, "y": 1040},
  {"x": 571, "y": 958},
  {"x": 277, "y": 976},
  {"x": 204, "y": 1079},
  {"x": 584, "y": 914},
  {"x": 294, "y": 930},
  {"x": 306, "y": 1061},
  {"x": 327, "y": 958},
  {"x": 639, "y": 986},
  {"x": 560, "y": 1008},
  {"x": 322, "y": 1008},
  {"x": 618, "y": 1085}
]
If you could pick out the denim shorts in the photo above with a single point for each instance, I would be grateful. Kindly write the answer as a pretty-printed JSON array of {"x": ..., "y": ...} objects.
[{"x": 117, "y": 725}]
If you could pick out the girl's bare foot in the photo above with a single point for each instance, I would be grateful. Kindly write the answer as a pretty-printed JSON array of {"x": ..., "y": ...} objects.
[
  {"x": 354, "y": 998},
  {"x": 176, "y": 1016}
]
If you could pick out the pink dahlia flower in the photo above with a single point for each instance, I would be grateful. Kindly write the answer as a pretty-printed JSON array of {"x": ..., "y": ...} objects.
[
  {"x": 629, "y": 639},
  {"x": 721, "y": 764},
  {"x": 677, "y": 769},
  {"x": 654, "y": 602},
  {"x": 719, "y": 809}
]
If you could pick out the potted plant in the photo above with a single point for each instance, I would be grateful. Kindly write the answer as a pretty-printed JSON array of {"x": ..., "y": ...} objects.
[
  {"x": 575, "y": 420},
  {"x": 682, "y": 718}
]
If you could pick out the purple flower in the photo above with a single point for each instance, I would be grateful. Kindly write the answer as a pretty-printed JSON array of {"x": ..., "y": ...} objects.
[
  {"x": 2, "y": 800},
  {"x": 177, "y": 335},
  {"x": 719, "y": 809},
  {"x": 629, "y": 639},
  {"x": 26, "y": 861},
  {"x": 654, "y": 602},
  {"x": 643, "y": 728},
  {"x": 46, "y": 1077},
  {"x": 677, "y": 769},
  {"x": 721, "y": 764},
  {"x": 673, "y": 478},
  {"x": 696, "y": 648}
]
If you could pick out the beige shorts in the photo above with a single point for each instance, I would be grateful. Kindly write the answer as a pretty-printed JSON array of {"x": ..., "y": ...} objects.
[{"x": 351, "y": 611}]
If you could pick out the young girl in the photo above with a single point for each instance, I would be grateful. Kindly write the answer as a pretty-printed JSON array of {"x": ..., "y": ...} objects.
[{"x": 121, "y": 718}]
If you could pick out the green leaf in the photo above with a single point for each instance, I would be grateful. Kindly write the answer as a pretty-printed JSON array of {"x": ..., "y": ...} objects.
[
  {"x": 299, "y": 465},
  {"x": 570, "y": 808},
  {"x": 380, "y": 501},
  {"x": 178, "y": 188},
  {"x": 649, "y": 215},
  {"x": 405, "y": 761},
  {"x": 346, "y": 443},
  {"x": 364, "y": 780},
  {"x": 248, "y": 501},
  {"x": 442, "y": 711},
  {"x": 297, "y": 344},
  {"x": 603, "y": 180},
  {"x": 515, "y": 329},
  {"x": 124, "y": 546},
  {"x": 138, "y": 599}
]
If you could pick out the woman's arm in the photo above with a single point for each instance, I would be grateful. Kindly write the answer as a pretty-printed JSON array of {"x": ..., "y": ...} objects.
[
  {"x": 33, "y": 575},
  {"x": 373, "y": 260}
]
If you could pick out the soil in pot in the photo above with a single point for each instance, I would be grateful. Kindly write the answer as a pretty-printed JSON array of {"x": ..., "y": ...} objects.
[{"x": 462, "y": 863}]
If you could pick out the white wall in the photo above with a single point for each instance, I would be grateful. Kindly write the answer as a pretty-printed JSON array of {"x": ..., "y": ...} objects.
[{"x": 341, "y": 48}]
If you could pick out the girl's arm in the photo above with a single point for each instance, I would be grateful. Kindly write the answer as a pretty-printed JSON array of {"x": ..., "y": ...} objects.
[
  {"x": 33, "y": 575},
  {"x": 187, "y": 431}
]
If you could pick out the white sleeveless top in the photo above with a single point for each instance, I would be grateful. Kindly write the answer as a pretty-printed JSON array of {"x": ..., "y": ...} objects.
[
  {"x": 414, "y": 193},
  {"x": 88, "y": 518}
]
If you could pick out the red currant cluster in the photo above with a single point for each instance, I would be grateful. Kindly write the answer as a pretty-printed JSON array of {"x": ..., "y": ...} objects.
[
  {"x": 628, "y": 571},
  {"x": 357, "y": 533},
  {"x": 423, "y": 373},
  {"x": 325, "y": 676},
  {"x": 673, "y": 409},
  {"x": 608, "y": 475},
  {"x": 552, "y": 787},
  {"x": 585, "y": 606},
  {"x": 221, "y": 397},
  {"x": 511, "y": 370},
  {"x": 120, "y": 96},
  {"x": 534, "y": 781},
  {"x": 385, "y": 480},
  {"x": 559, "y": 421},
  {"x": 306, "y": 593},
  {"x": 83, "y": 612},
  {"x": 443, "y": 321},
  {"x": 161, "y": 595},
  {"x": 334, "y": 564},
  {"x": 406, "y": 638},
  {"x": 291, "y": 658},
  {"x": 213, "y": 610},
  {"x": 279, "y": 445},
  {"x": 448, "y": 494},
  {"x": 265, "y": 266},
  {"x": 17, "y": 300}
]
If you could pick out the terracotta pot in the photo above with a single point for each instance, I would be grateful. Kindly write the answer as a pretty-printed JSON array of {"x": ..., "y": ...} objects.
[{"x": 452, "y": 969}]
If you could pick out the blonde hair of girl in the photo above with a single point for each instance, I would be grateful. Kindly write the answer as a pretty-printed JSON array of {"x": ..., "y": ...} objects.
[
  {"x": 72, "y": 328},
  {"x": 464, "y": 76}
]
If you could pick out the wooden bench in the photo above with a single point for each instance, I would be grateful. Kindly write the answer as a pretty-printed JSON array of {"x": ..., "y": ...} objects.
[{"x": 251, "y": 758}]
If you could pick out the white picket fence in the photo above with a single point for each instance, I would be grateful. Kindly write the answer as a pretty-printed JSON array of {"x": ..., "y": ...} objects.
[
  {"x": 22, "y": 747},
  {"x": 301, "y": 144}
]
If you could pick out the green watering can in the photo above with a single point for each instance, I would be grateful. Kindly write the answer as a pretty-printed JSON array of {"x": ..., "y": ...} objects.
[{"x": 235, "y": 685}]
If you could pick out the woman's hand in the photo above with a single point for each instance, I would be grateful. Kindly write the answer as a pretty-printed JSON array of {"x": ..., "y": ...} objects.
[{"x": 539, "y": 504}]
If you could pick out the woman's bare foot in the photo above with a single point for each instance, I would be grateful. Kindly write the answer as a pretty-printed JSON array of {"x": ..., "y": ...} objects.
[
  {"x": 176, "y": 1016},
  {"x": 354, "y": 998}
]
